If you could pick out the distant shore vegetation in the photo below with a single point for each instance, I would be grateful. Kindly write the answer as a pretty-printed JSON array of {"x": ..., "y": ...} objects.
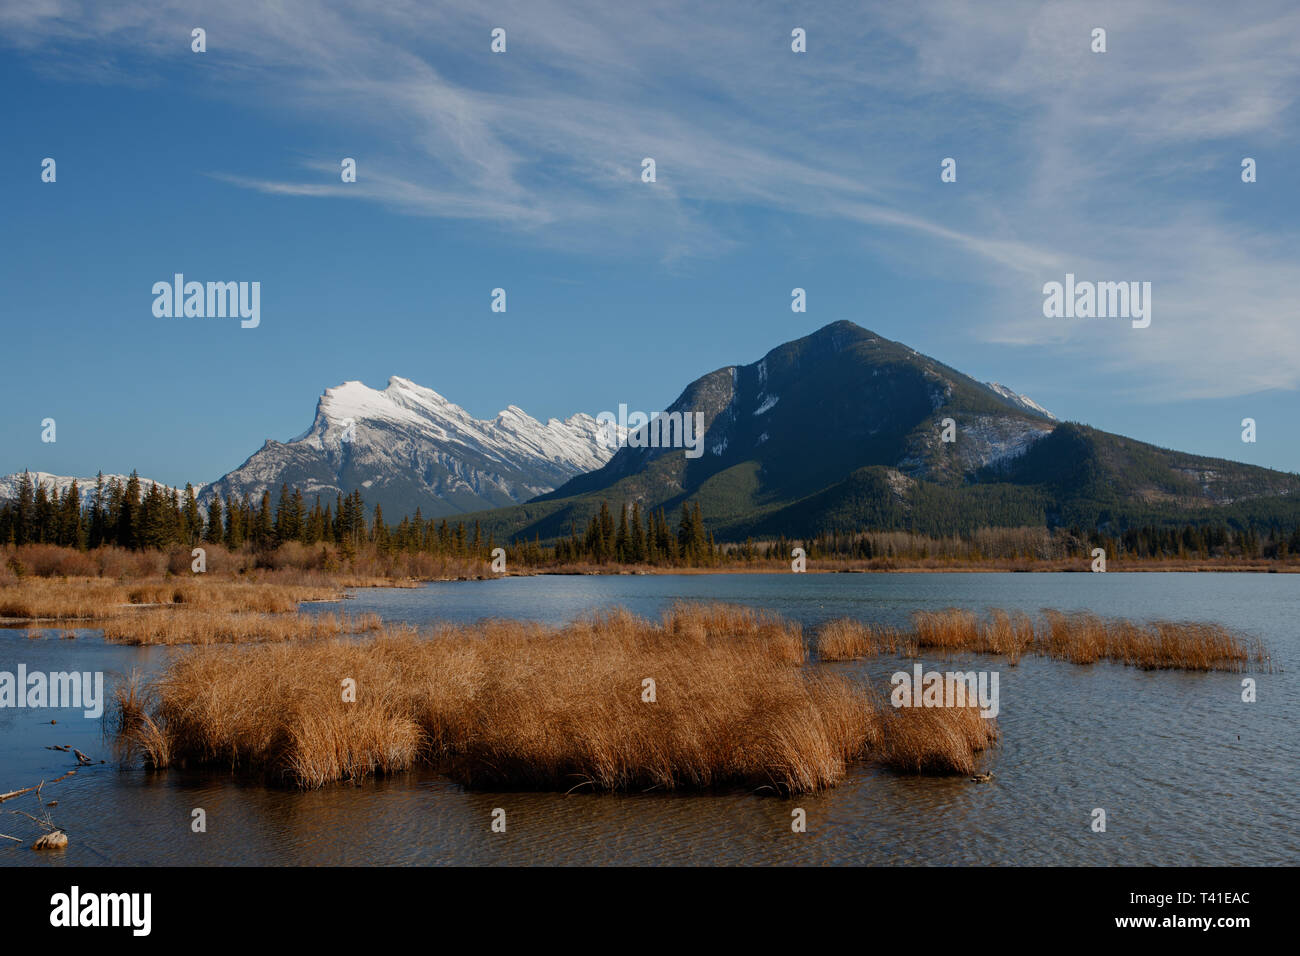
[{"x": 43, "y": 532}]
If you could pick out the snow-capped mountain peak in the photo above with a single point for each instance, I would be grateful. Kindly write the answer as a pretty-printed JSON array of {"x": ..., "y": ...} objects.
[{"x": 407, "y": 445}]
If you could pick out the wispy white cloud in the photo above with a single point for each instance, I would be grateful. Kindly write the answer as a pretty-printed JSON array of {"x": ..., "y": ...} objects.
[{"x": 1115, "y": 166}]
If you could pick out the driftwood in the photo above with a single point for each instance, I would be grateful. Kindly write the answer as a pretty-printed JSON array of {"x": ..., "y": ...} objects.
[
  {"x": 19, "y": 793},
  {"x": 53, "y": 838}
]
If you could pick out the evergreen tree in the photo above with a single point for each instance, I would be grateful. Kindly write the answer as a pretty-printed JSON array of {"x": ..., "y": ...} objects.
[
  {"x": 686, "y": 534},
  {"x": 71, "y": 533},
  {"x": 212, "y": 534},
  {"x": 622, "y": 542},
  {"x": 263, "y": 531},
  {"x": 638, "y": 544},
  {"x": 128, "y": 514},
  {"x": 25, "y": 510},
  {"x": 98, "y": 529},
  {"x": 192, "y": 522},
  {"x": 379, "y": 532}
]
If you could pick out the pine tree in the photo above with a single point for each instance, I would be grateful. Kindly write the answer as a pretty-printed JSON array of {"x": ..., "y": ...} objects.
[
  {"x": 297, "y": 516},
  {"x": 283, "y": 524},
  {"x": 71, "y": 533},
  {"x": 234, "y": 524},
  {"x": 686, "y": 534},
  {"x": 263, "y": 532},
  {"x": 699, "y": 544},
  {"x": 25, "y": 510},
  {"x": 316, "y": 525},
  {"x": 622, "y": 543},
  {"x": 193, "y": 520},
  {"x": 606, "y": 533},
  {"x": 638, "y": 535},
  {"x": 379, "y": 532},
  {"x": 212, "y": 534},
  {"x": 98, "y": 518},
  {"x": 129, "y": 514},
  {"x": 42, "y": 511}
]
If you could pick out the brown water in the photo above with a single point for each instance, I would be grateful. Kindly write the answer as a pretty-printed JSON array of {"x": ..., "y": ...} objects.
[{"x": 1187, "y": 773}]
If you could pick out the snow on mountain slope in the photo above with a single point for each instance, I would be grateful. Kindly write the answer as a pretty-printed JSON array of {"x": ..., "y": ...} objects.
[
  {"x": 85, "y": 486},
  {"x": 1024, "y": 401},
  {"x": 406, "y": 446}
]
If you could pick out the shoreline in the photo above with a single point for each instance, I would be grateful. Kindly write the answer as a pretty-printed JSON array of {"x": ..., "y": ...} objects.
[{"x": 911, "y": 569}]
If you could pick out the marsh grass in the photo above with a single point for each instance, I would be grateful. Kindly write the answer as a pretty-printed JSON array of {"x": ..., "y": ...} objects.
[
  {"x": 845, "y": 639},
  {"x": 516, "y": 705},
  {"x": 200, "y": 626},
  {"x": 192, "y": 610},
  {"x": 1079, "y": 637},
  {"x": 99, "y": 599},
  {"x": 934, "y": 739}
]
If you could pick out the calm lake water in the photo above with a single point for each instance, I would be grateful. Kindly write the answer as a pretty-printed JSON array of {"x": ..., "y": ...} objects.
[{"x": 1186, "y": 772}]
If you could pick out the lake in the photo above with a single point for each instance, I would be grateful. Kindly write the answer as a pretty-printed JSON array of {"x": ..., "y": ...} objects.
[{"x": 1186, "y": 772}]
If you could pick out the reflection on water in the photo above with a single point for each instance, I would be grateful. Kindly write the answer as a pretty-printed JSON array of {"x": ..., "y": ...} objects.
[{"x": 1186, "y": 772}]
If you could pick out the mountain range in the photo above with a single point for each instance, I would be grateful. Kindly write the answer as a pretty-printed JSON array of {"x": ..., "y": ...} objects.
[
  {"x": 844, "y": 429},
  {"x": 840, "y": 429},
  {"x": 63, "y": 483},
  {"x": 404, "y": 447}
]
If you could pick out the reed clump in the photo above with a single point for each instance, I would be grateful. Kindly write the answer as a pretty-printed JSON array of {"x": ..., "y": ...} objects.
[
  {"x": 708, "y": 696},
  {"x": 932, "y": 740},
  {"x": 845, "y": 639},
  {"x": 783, "y": 638},
  {"x": 131, "y": 722},
  {"x": 1009, "y": 634},
  {"x": 949, "y": 630},
  {"x": 1080, "y": 637}
]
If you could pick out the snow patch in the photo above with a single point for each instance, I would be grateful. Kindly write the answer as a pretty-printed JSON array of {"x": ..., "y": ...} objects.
[{"x": 1023, "y": 401}]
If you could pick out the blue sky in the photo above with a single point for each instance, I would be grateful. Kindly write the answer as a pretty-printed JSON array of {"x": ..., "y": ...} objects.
[{"x": 522, "y": 171}]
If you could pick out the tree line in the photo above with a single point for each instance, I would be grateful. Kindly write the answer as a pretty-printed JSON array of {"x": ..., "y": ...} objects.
[
  {"x": 127, "y": 514},
  {"x": 140, "y": 515}
]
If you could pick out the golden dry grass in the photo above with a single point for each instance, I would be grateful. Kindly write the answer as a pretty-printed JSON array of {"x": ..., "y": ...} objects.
[
  {"x": 956, "y": 629},
  {"x": 783, "y": 638},
  {"x": 935, "y": 739},
  {"x": 96, "y": 598},
  {"x": 518, "y": 705},
  {"x": 1078, "y": 637},
  {"x": 185, "y": 626},
  {"x": 189, "y": 610},
  {"x": 845, "y": 639},
  {"x": 1155, "y": 645}
]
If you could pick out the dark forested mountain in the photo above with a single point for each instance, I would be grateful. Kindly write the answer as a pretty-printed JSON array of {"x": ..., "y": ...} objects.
[{"x": 843, "y": 429}]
